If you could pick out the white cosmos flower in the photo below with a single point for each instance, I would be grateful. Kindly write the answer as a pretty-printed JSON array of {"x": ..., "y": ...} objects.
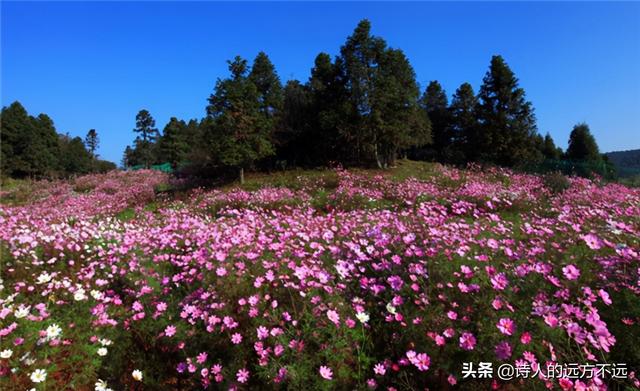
[
  {"x": 96, "y": 294},
  {"x": 53, "y": 331},
  {"x": 105, "y": 341},
  {"x": 38, "y": 376},
  {"x": 137, "y": 374},
  {"x": 79, "y": 295},
  {"x": 6, "y": 353},
  {"x": 391, "y": 308},
  {"x": 102, "y": 352},
  {"x": 363, "y": 317},
  {"x": 43, "y": 278},
  {"x": 101, "y": 385},
  {"x": 22, "y": 311}
]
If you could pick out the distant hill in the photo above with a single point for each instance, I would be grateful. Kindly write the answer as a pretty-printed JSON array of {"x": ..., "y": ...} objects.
[{"x": 627, "y": 162}]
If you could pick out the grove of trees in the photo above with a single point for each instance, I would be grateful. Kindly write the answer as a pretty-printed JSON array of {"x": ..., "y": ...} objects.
[
  {"x": 31, "y": 147},
  {"x": 364, "y": 107}
]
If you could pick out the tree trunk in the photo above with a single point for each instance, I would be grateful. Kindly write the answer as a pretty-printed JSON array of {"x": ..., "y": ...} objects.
[{"x": 242, "y": 175}]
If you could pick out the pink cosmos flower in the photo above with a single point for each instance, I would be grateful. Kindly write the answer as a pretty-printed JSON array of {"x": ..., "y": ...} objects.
[
  {"x": 170, "y": 331},
  {"x": 379, "y": 369},
  {"x": 571, "y": 272},
  {"x": 506, "y": 326},
  {"x": 326, "y": 373},
  {"x": 592, "y": 241},
  {"x": 503, "y": 350},
  {"x": 262, "y": 332},
  {"x": 236, "y": 338},
  {"x": 467, "y": 341},
  {"x": 499, "y": 281},
  {"x": 202, "y": 357},
  {"x": 525, "y": 338},
  {"x": 334, "y": 317},
  {"x": 242, "y": 375},
  {"x": 604, "y": 296}
]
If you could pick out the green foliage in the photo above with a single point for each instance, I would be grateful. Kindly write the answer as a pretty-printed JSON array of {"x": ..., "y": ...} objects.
[
  {"x": 435, "y": 103},
  {"x": 507, "y": 125},
  {"x": 463, "y": 125},
  {"x": 381, "y": 96},
  {"x": 582, "y": 144},
  {"x": 237, "y": 131},
  {"x": 556, "y": 182},
  {"x": 31, "y": 147},
  {"x": 92, "y": 141},
  {"x": 173, "y": 145}
]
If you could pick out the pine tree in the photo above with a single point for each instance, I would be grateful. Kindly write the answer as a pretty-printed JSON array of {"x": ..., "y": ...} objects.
[
  {"x": 14, "y": 123},
  {"x": 549, "y": 149},
  {"x": 464, "y": 124},
  {"x": 236, "y": 130},
  {"x": 173, "y": 142},
  {"x": 145, "y": 143},
  {"x": 92, "y": 141},
  {"x": 292, "y": 139},
  {"x": 75, "y": 159},
  {"x": 582, "y": 144},
  {"x": 434, "y": 101},
  {"x": 328, "y": 114},
  {"x": 359, "y": 59},
  {"x": 397, "y": 121},
  {"x": 263, "y": 75},
  {"x": 507, "y": 122}
]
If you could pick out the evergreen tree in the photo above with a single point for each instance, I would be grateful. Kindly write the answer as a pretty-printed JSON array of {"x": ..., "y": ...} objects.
[
  {"x": 464, "y": 124},
  {"x": 14, "y": 125},
  {"x": 397, "y": 121},
  {"x": 434, "y": 102},
  {"x": 75, "y": 159},
  {"x": 292, "y": 139},
  {"x": 146, "y": 140},
  {"x": 549, "y": 149},
  {"x": 263, "y": 75},
  {"x": 92, "y": 141},
  {"x": 173, "y": 142},
  {"x": 42, "y": 150},
  {"x": 128, "y": 160},
  {"x": 582, "y": 144},
  {"x": 328, "y": 115},
  {"x": 507, "y": 122},
  {"x": 236, "y": 130},
  {"x": 360, "y": 57}
]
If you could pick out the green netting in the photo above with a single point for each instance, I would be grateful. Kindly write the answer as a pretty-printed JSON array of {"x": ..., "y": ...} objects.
[
  {"x": 164, "y": 167},
  {"x": 579, "y": 168}
]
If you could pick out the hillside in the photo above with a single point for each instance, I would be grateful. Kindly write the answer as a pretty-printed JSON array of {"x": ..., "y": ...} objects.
[
  {"x": 627, "y": 162},
  {"x": 327, "y": 279}
]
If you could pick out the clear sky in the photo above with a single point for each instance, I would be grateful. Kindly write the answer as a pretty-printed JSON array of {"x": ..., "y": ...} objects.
[{"x": 94, "y": 65}]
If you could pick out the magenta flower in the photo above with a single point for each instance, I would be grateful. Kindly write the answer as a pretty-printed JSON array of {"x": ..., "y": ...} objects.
[
  {"x": 506, "y": 326},
  {"x": 571, "y": 272},
  {"x": 592, "y": 241},
  {"x": 242, "y": 375},
  {"x": 467, "y": 341},
  {"x": 334, "y": 317},
  {"x": 379, "y": 369},
  {"x": 503, "y": 350},
  {"x": 170, "y": 331},
  {"x": 236, "y": 338},
  {"x": 326, "y": 373}
]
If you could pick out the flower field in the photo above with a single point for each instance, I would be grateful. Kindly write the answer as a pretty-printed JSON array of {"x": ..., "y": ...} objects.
[{"x": 349, "y": 280}]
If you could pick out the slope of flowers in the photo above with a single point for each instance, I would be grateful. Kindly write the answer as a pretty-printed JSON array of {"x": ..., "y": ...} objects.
[{"x": 376, "y": 284}]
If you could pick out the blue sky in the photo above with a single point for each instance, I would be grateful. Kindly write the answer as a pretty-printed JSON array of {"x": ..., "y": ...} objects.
[{"x": 94, "y": 65}]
